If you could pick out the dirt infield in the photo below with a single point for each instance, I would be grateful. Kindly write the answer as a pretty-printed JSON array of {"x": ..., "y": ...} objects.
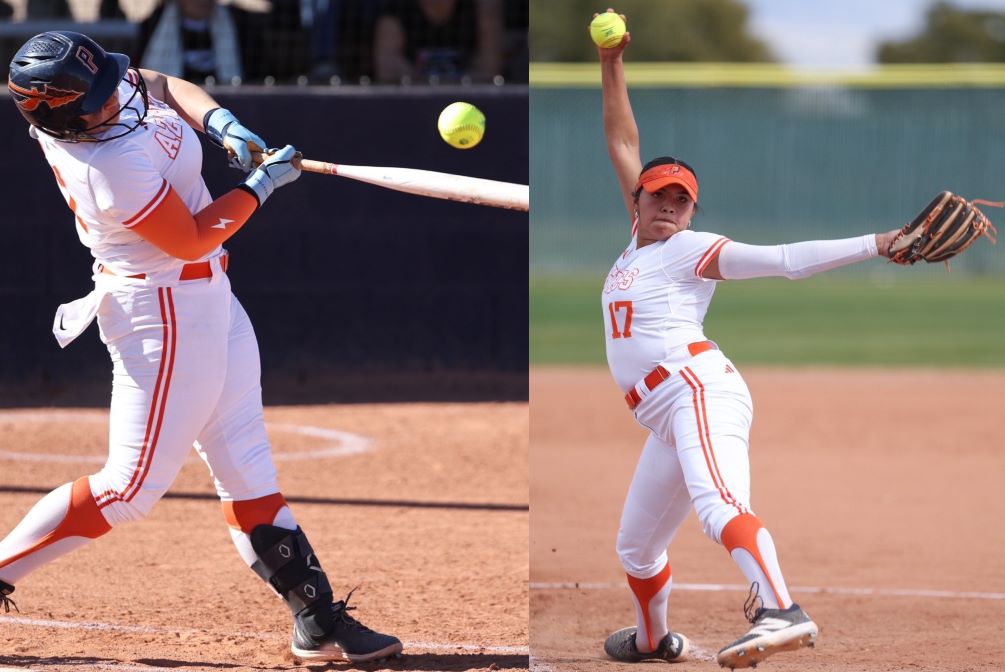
[
  {"x": 423, "y": 505},
  {"x": 887, "y": 514}
]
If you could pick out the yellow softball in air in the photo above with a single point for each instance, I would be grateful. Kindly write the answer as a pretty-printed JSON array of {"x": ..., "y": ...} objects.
[
  {"x": 607, "y": 29},
  {"x": 461, "y": 125}
]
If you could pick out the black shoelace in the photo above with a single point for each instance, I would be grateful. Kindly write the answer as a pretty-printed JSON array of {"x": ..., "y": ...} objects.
[
  {"x": 8, "y": 603},
  {"x": 341, "y": 613},
  {"x": 754, "y": 605}
]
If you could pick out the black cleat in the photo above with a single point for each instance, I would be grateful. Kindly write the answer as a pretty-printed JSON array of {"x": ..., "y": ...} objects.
[
  {"x": 349, "y": 640},
  {"x": 772, "y": 631},
  {"x": 621, "y": 646}
]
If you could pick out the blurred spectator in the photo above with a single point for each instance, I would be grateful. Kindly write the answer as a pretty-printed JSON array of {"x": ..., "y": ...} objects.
[
  {"x": 339, "y": 34},
  {"x": 348, "y": 30},
  {"x": 6, "y": 11},
  {"x": 193, "y": 39},
  {"x": 321, "y": 19},
  {"x": 516, "y": 52},
  {"x": 60, "y": 9},
  {"x": 438, "y": 40},
  {"x": 286, "y": 39}
]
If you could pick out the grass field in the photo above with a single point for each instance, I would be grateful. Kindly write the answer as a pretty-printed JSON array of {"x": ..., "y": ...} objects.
[{"x": 951, "y": 321}]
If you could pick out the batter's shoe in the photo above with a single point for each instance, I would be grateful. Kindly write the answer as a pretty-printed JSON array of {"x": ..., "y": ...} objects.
[
  {"x": 349, "y": 640},
  {"x": 621, "y": 646},
  {"x": 5, "y": 590},
  {"x": 773, "y": 630}
]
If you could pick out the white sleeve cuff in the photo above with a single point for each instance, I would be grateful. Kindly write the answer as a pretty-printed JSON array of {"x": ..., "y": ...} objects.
[{"x": 797, "y": 260}]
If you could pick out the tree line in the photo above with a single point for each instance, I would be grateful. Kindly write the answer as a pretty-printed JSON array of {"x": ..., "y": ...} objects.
[{"x": 720, "y": 31}]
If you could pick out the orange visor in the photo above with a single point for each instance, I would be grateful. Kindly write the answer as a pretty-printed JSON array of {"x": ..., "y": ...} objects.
[{"x": 665, "y": 174}]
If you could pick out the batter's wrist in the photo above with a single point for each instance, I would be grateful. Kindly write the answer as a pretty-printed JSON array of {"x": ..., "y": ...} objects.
[
  {"x": 259, "y": 185},
  {"x": 216, "y": 122}
]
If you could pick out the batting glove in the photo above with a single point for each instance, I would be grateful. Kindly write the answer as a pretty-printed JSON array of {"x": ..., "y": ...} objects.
[
  {"x": 277, "y": 170},
  {"x": 225, "y": 130}
]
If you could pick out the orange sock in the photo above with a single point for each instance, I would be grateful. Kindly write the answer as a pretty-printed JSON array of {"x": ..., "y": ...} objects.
[
  {"x": 753, "y": 550},
  {"x": 67, "y": 513},
  {"x": 248, "y": 514},
  {"x": 651, "y": 597}
]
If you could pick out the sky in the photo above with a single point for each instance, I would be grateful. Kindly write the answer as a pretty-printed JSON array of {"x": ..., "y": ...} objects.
[{"x": 840, "y": 33}]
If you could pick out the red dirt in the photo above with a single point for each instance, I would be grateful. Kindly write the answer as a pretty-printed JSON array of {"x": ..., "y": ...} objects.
[
  {"x": 451, "y": 581},
  {"x": 878, "y": 479}
]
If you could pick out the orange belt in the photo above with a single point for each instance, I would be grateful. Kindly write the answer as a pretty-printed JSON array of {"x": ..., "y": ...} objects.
[
  {"x": 194, "y": 271},
  {"x": 659, "y": 374}
]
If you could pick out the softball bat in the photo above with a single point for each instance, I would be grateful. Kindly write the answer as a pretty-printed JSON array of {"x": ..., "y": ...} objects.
[{"x": 424, "y": 183}]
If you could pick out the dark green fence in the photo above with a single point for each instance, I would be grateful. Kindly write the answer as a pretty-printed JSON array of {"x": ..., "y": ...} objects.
[{"x": 778, "y": 162}]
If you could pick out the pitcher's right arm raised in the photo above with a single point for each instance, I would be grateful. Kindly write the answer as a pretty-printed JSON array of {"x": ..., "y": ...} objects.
[{"x": 620, "y": 129}]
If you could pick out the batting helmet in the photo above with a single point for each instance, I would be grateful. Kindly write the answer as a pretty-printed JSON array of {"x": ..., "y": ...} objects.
[{"x": 58, "y": 76}]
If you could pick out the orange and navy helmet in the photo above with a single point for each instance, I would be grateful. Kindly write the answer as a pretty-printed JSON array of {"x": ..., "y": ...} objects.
[
  {"x": 58, "y": 76},
  {"x": 664, "y": 171}
]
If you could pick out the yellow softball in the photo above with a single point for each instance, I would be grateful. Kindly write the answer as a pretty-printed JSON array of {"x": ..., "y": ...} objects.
[
  {"x": 461, "y": 125},
  {"x": 607, "y": 29}
]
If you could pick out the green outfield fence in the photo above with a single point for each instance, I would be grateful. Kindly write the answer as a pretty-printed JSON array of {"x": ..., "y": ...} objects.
[{"x": 782, "y": 155}]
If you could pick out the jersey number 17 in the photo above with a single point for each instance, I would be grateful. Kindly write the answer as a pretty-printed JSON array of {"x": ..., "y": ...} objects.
[{"x": 615, "y": 308}]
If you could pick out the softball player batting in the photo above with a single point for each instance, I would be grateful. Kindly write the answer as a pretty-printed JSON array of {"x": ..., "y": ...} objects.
[
  {"x": 184, "y": 356},
  {"x": 688, "y": 394}
]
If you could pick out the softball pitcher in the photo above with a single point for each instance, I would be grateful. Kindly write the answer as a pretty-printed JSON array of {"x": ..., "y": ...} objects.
[
  {"x": 185, "y": 360},
  {"x": 688, "y": 394}
]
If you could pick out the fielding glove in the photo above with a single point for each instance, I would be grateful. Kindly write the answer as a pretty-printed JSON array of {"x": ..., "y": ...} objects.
[{"x": 947, "y": 226}]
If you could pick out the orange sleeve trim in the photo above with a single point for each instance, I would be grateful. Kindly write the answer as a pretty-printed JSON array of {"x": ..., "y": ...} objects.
[
  {"x": 248, "y": 514},
  {"x": 710, "y": 254},
  {"x": 149, "y": 207}
]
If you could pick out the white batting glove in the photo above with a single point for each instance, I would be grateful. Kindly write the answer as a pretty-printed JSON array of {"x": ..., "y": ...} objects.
[
  {"x": 276, "y": 171},
  {"x": 225, "y": 130}
]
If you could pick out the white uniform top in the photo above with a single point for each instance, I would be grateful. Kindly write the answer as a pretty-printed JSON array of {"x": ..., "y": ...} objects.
[
  {"x": 113, "y": 185},
  {"x": 655, "y": 300}
]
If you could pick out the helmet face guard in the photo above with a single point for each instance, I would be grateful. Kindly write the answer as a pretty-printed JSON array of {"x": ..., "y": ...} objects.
[
  {"x": 130, "y": 108},
  {"x": 59, "y": 76}
]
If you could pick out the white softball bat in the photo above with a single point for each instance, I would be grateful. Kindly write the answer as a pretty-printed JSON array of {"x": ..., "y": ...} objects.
[{"x": 425, "y": 183}]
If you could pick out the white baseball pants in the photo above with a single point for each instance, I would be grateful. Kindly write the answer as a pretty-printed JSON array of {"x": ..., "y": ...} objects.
[
  {"x": 699, "y": 422},
  {"x": 696, "y": 455},
  {"x": 186, "y": 371}
]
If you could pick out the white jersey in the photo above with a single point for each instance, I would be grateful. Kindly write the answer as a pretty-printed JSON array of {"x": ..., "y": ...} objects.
[
  {"x": 111, "y": 186},
  {"x": 655, "y": 300}
]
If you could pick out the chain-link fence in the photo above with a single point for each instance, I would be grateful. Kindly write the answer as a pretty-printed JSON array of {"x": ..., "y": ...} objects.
[{"x": 326, "y": 42}]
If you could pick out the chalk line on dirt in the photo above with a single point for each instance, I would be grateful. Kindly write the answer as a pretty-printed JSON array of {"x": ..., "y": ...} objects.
[
  {"x": 729, "y": 587},
  {"x": 265, "y": 636},
  {"x": 337, "y": 442}
]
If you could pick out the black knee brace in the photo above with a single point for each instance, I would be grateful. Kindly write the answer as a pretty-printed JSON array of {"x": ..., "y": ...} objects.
[{"x": 286, "y": 562}]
